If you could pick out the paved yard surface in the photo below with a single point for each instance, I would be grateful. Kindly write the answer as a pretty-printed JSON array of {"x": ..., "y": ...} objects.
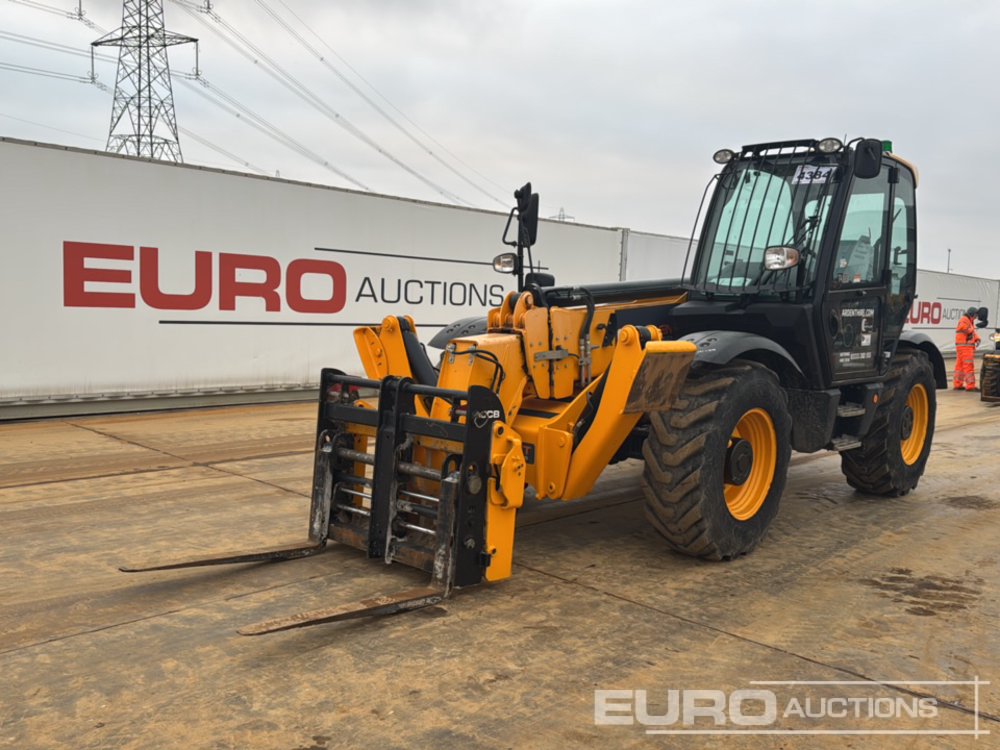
[{"x": 845, "y": 588}]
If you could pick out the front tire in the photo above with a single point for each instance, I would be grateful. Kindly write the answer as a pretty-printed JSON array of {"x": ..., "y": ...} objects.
[
  {"x": 893, "y": 454},
  {"x": 716, "y": 463}
]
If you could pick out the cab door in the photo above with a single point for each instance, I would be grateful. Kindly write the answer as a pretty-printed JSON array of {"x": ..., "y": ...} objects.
[{"x": 854, "y": 308}]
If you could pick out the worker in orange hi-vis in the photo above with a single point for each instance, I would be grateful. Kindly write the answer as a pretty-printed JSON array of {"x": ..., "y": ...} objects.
[{"x": 966, "y": 341}]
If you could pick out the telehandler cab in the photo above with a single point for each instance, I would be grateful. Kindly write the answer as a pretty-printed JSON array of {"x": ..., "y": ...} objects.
[{"x": 787, "y": 334}]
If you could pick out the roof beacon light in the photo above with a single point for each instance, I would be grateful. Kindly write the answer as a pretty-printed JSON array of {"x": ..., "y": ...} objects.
[
  {"x": 830, "y": 145},
  {"x": 723, "y": 156},
  {"x": 887, "y": 146}
]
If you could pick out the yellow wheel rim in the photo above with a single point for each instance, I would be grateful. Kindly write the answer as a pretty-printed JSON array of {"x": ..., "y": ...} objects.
[
  {"x": 914, "y": 429},
  {"x": 744, "y": 500}
]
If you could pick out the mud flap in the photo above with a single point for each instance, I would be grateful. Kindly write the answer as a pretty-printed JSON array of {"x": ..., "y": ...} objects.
[{"x": 660, "y": 377}]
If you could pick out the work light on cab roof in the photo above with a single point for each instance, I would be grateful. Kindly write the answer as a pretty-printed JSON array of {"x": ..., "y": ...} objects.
[
  {"x": 723, "y": 156},
  {"x": 830, "y": 145}
]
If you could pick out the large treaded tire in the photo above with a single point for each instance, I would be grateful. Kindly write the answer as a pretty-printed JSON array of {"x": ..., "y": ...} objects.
[
  {"x": 685, "y": 455},
  {"x": 877, "y": 467},
  {"x": 989, "y": 378}
]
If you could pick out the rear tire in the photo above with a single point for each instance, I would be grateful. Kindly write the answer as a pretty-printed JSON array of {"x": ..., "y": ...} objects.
[
  {"x": 706, "y": 495},
  {"x": 989, "y": 378},
  {"x": 893, "y": 454}
]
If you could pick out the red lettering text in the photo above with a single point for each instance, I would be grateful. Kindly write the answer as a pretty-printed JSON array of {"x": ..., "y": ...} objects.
[
  {"x": 293, "y": 286},
  {"x": 926, "y": 312},
  {"x": 149, "y": 285},
  {"x": 230, "y": 288},
  {"x": 76, "y": 274}
]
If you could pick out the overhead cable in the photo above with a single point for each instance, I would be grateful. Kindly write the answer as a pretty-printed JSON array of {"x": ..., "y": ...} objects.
[
  {"x": 371, "y": 102},
  {"x": 86, "y": 79},
  {"x": 256, "y": 55}
]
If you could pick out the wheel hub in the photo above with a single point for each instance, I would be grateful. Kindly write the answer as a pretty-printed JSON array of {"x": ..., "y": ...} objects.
[
  {"x": 739, "y": 462},
  {"x": 906, "y": 428}
]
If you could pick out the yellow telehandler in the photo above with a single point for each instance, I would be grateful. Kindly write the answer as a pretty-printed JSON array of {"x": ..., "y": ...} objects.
[{"x": 786, "y": 334}]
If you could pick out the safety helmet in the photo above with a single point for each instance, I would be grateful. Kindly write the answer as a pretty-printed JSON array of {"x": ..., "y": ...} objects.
[{"x": 972, "y": 312}]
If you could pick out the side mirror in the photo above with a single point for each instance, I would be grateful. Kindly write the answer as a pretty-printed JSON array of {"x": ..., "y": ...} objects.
[
  {"x": 527, "y": 215},
  {"x": 780, "y": 258},
  {"x": 983, "y": 314},
  {"x": 505, "y": 263},
  {"x": 868, "y": 158}
]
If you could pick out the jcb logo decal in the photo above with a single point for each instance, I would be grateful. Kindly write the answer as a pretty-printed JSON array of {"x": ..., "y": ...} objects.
[{"x": 481, "y": 418}]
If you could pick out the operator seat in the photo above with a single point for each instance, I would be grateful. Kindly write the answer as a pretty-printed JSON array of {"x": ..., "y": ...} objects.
[
  {"x": 855, "y": 261},
  {"x": 423, "y": 370}
]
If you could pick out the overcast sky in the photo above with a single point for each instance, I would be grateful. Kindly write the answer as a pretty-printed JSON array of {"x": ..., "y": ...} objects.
[{"x": 611, "y": 109}]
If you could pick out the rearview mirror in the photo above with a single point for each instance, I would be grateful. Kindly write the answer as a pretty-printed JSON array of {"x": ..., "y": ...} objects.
[
  {"x": 868, "y": 158},
  {"x": 983, "y": 314},
  {"x": 527, "y": 215}
]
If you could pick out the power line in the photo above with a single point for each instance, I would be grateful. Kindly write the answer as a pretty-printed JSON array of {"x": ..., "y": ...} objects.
[
  {"x": 220, "y": 150},
  {"x": 299, "y": 89},
  {"x": 374, "y": 105},
  {"x": 41, "y": 72},
  {"x": 50, "y": 127},
  {"x": 77, "y": 15},
  {"x": 53, "y": 46},
  {"x": 208, "y": 91},
  {"x": 106, "y": 89},
  {"x": 231, "y": 105},
  {"x": 382, "y": 96}
]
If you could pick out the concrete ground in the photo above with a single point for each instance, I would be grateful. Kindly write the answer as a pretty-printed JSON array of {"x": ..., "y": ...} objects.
[{"x": 846, "y": 588}]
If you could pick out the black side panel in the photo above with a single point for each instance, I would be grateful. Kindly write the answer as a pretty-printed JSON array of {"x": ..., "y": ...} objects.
[
  {"x": 722, "y": 347},
  {"x": 789, "y": 326}
]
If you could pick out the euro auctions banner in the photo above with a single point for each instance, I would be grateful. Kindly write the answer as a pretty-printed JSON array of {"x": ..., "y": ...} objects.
[
  {"x": 942, "y": 298},
  {"x": 122, "y": 276}
]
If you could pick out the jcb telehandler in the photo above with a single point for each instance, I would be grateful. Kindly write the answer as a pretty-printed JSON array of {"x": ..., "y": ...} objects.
[{"x": 787, "y": 334}]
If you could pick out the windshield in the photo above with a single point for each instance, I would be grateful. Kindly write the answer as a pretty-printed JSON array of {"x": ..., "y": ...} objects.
[{"x": 759, "y": 204}]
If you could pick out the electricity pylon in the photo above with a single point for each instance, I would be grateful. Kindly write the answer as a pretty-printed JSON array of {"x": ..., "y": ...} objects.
[{"x": 143, "y": 122}]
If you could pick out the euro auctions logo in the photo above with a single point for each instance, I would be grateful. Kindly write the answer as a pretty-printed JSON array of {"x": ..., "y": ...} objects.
[
  {"x": 86, "y": 263},
  {"x": 796, "y": 707},
  {"x": 123, "y": 276}
]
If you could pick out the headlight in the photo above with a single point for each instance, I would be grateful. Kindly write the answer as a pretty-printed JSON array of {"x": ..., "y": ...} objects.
[
  {"x": 830, "y": 145},
  {"x": 723, "y": 156},
  {"x": 505, "y": 263},
  {"x": 781, "y": 257}
]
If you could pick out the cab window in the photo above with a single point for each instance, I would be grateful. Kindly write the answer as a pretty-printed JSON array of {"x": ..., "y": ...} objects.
[{"x": 860, "y": 246}]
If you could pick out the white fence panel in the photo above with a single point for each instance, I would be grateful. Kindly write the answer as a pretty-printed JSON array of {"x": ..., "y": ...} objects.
[{"x": 122, "y": 276}]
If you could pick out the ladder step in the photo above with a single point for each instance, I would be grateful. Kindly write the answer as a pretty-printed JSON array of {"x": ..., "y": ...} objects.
[
  {"x": 850, "y": 410},
  {"x": 845, "y": 443}
]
